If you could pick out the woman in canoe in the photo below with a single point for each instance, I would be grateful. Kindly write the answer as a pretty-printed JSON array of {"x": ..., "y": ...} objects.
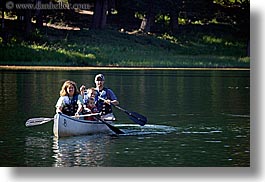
[{"x": 70, "y": 101}]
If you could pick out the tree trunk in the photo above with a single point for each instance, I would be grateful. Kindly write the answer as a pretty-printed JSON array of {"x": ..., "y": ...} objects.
[
  {"x": 96, "y": 14},
  {"x": 174, "y": 23},
  {"x": 100, "y": 14},
  {"x": 28, "y": 26},
  {"x": 149, "y": 20},
  {"x": 39, "y": 18},
  {"x": 104, "y": 14}
]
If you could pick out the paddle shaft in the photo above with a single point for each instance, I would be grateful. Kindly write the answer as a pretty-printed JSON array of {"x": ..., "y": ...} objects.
[
  {"x": 114, "y": 105},
  {"x": 113, "y": 128},
  {"x": 135, "y": 117}
]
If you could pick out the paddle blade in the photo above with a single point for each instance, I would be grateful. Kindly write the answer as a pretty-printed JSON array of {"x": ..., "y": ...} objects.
[
  {"x": 37, "y": 121},
  {"x": 114, "y": 129},
  {"x": 137, "y": 118}
]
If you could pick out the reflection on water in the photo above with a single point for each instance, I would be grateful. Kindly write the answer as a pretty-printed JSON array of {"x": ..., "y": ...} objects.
[
  {"x": 88, "y": 150},
  {"x": 92, "y": 150},
  {"x": 38, "y": 151},
  {"x": 80, "y": 151}
]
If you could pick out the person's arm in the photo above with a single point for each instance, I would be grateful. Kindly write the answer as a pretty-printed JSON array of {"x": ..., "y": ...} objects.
[
  {"x": 59, "y": 105},
  {"x": 114, "y": 102},
  {"x": 80, "y": 104},
  {"x": 113, "y": 99},
  {"x": 58, "y": 109}
]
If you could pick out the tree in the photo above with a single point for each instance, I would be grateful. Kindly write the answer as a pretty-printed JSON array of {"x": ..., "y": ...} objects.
[
  {"x": 100, "y": 14},
  {"x": 149, "y": 18},
  {"x": 24, "y": 16},
  {"x": 39, "y": 13},
  {"x": 172, "y": 9},
  {"x": 28, "y": 25}
]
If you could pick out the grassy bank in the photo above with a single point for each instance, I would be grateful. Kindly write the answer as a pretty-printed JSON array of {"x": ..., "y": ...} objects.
[{"x": 114, "y": 48}]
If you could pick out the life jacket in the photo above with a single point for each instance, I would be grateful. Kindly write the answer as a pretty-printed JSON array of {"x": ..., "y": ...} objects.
[
  {"x": 103, "y": 107},
  {"x": 71, "y": 106},
  {"x": 93, "y": 110}
]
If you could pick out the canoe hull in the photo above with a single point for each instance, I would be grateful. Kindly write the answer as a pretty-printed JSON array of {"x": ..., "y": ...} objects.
[{"x": 68, "y": 126}]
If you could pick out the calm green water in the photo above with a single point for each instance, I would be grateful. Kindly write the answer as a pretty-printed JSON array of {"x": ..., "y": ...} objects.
[{"x": 195, "y": 118}]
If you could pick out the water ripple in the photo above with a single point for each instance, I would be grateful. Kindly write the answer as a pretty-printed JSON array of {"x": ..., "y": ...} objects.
[{"x": 134, "y": 129}]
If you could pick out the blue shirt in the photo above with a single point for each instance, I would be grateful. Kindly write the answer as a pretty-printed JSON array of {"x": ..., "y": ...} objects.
[{"x": 105, "y": 93}]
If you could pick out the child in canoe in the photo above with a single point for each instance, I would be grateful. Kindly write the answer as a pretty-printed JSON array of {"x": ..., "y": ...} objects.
[
  {"x": 90, "y": 108},
  {"x": 89, "y": 102}
]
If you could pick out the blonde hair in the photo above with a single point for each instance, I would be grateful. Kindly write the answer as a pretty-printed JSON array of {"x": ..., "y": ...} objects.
[{"x": 66, "y": 85}]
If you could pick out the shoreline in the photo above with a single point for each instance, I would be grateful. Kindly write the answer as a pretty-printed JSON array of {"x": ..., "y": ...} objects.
[{"x": 79, "y": 68}]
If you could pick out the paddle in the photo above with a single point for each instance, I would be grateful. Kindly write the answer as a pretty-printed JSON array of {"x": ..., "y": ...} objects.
[
  {"x": 37, "y": 121},
  {"x": 113, "y": 128},
  {"x": 134, "y": 116},
  {"x": 42, "y": 120}
]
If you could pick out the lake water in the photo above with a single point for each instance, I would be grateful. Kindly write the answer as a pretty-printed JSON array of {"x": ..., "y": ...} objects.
[{"x": 195, "y": 118}]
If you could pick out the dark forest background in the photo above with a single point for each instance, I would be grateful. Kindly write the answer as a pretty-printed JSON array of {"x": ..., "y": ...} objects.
[{"x": 28, "y": 20}]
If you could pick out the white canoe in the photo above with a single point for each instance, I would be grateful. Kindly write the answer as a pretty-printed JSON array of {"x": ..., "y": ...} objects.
[{"x": 69, "y": 126}]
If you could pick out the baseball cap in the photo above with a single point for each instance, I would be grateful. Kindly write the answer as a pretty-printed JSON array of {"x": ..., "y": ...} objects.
[{"x": 99, "y": 77}]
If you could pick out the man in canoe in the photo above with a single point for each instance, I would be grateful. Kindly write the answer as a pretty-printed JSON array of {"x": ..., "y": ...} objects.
[{"x": 104, "y": 98}]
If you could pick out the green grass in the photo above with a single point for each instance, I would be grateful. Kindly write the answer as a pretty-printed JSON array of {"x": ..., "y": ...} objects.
[{"x": 113, "y": 48}]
